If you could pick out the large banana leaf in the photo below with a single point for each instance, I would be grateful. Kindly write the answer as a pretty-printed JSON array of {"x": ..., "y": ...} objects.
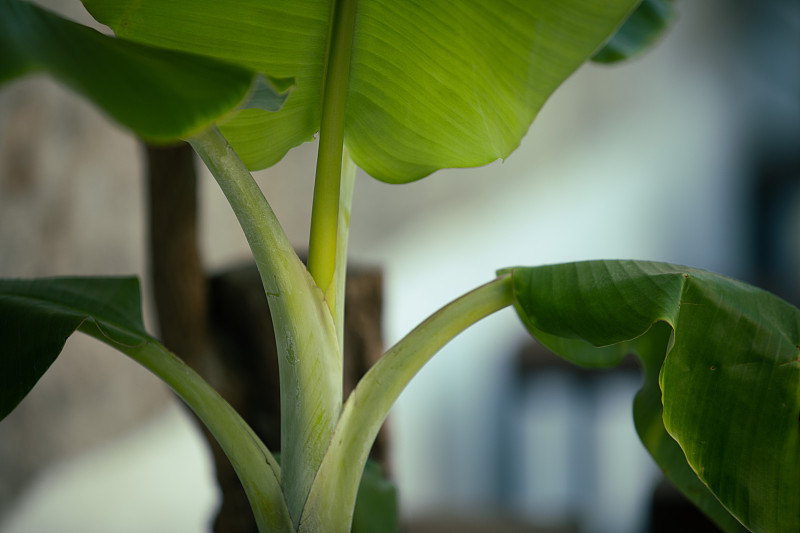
[
  {"x": 722, "y": 374},
  {"x": 160, "y": 94},
  {"x": 432, "y": 84}
]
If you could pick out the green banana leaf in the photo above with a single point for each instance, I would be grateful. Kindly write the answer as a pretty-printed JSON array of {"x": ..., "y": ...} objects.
[
  {"x": 720, "y": 404},
  {"x": 37, "y": 317},
  {"x": 431, "y": 84},
  {"x": 160, "y": 94}
]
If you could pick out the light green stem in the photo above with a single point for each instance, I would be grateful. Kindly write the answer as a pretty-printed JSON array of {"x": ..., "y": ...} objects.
[
  {"x": 322, "y": 247},
  {"x": 274, "y": 254},
  {"x": 334, "y": 295},
  {"x": 332, "y": 499},
  {"x": 254, "y": 464},
  {"x": 309, "y": 361}
]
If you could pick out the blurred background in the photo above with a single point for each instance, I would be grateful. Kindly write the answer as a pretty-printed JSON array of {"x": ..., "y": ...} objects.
[{"x": 688, "y": 154}]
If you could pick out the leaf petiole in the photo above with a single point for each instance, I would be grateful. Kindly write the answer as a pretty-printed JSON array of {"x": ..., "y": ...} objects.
[
  {"x": 332, "y": 497},
  {"x": 308, "y": 348},
  {"x": 256, "y": 467}
]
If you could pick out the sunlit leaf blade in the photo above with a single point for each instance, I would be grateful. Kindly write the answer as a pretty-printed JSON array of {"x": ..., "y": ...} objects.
[
  {"x": 37, "y": 317},
  {"x": 457, "y": 84},
  {"x": 729, "y": 374},
  {"x": 640, "y": 31},
  {"x": 432, "y": 84},
  {"x": 160, "y": 94}
]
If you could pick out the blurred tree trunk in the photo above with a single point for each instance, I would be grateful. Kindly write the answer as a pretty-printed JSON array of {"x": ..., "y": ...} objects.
[{"x": 221, "y": 326}]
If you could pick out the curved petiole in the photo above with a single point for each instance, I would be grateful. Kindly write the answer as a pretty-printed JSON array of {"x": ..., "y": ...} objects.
[
  {"x": 332, "y": 498},
  {"x": 256, "y": 467},
  {"x": 309, "y": 362}
]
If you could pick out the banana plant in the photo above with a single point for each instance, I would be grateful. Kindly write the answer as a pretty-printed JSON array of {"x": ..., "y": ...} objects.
[{"x": 401, "y": 89}]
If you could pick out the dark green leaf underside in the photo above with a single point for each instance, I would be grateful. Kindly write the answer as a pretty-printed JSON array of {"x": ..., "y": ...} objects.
[
  {"x": 37, "y": 317},
  {"x": 160, "y": 94},
  {"x": 640, "y": 31},
  {"x": 283, "y": 38},
  {"x": 723, "y": 354}
]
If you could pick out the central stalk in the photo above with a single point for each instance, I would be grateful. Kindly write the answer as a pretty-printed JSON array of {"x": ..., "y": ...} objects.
[{"x": 323, "y": 241}]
